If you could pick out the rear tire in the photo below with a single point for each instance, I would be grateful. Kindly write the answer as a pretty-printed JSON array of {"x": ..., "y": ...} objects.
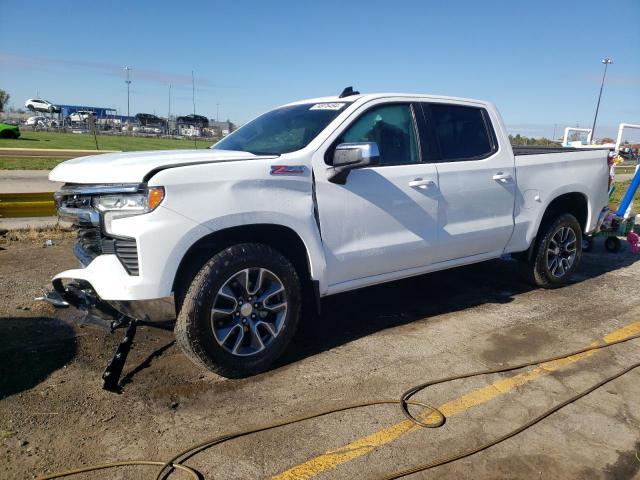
[
  {"x": 231, "y": 322},
  {"x": 557, "y": 252}
]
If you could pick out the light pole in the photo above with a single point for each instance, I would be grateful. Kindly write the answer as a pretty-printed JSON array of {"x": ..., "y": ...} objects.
[
  {"x": 128, "y": 82},
  {"x": 606, "y": 62}
]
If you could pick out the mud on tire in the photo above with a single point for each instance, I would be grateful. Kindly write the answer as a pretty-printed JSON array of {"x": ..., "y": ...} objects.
[{"x": 220, "y": 287}]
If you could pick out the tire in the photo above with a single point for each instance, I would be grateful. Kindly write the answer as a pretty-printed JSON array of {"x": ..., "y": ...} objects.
[
  {"x": 587, "y": 244},
  {"x": 612, "y": 244},
  {"x": 228, "y": 340},
  {"x": 551, "y": 243},
  {"x": 8, "y": 134}
]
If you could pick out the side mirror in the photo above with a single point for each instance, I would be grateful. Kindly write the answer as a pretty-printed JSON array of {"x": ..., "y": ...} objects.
[{"x": 348, "y": 156}]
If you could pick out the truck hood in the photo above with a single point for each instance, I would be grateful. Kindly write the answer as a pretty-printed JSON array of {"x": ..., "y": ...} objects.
[{"x": 132, "y": 167}]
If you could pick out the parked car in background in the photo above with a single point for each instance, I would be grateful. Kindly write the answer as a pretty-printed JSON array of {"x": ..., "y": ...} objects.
[
  {"x": 37, "y": 121},
  {"x": 148, "y": 119},
  {"x": 315, "y": 198},
  {"x": 39, "y": 105},
  {"x": 189, "y": 131},
  {"x": 80, "y": 115},
  {"x": 147, "y": 129},
  {"x": 9, "y": 131}
]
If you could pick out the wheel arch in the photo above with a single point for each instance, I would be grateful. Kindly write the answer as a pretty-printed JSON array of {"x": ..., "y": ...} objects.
[
  {"x": 573, "y": 202},
  {"x": 279, "y": 237}
]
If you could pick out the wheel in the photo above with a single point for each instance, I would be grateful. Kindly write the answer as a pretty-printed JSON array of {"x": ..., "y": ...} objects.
[
  {"x": 612, "y": 244},
  {"x": 240, "y": 311},
  {"x": 8, "y": 134},
  {"x": 557, "y": 252},
  {"x": 587, "y": 244}
]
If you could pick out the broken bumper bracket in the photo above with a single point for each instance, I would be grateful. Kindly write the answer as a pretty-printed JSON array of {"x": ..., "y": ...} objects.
[
  {"x": 111, "y": 375},
  {"x": 81, "y": 296}
]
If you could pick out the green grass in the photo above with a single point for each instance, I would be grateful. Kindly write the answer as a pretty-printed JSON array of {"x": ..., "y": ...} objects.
[
  {"x": 621, "y": 189},
  {"x": 30, "y": 163},
  {"x": 105, "y": 142}
]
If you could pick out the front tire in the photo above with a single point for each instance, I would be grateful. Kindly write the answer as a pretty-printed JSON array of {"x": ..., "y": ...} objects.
[
  {"x": 557, "y": 252},
  {"x": 240, "y": 311}
]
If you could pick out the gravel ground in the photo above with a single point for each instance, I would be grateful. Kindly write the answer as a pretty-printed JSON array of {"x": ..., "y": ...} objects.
[{"x": 368, "y": 344}]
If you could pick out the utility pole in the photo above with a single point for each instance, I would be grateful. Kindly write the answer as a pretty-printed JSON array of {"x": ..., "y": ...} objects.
[
  {"x": 169, "y": 114},
  {"x": 128, "y": 82},
  {"x": 607, "y": 62},
  {"x": 217, "y": 110},
  {"x": 193, "y": 98}
]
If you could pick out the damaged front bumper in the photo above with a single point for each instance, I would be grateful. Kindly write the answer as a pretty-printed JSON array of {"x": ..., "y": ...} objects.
[
  {"x": 82, "y": 295},
  {"x": 127, "y": 314}
]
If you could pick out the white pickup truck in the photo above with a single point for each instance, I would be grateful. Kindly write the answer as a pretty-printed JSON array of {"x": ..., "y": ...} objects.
[{"x": 311, "y": 199}]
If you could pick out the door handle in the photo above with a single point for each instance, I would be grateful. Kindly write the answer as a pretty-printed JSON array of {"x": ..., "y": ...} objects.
[
  {"x": 420, "y": 183},
  {"x": 502, "y": 177}
]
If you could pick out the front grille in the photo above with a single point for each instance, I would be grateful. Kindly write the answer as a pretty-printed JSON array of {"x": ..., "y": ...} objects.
[
  {"x": 89, "y": 239},
  {"x": 75, "y": 205}
]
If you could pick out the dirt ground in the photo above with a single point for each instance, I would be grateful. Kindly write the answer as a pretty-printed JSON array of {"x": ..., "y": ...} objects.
[{"x": 369, "y": 344}]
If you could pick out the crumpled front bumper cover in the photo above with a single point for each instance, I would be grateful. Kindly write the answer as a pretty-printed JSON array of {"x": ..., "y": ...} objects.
[{"x": 80, "y": 294}]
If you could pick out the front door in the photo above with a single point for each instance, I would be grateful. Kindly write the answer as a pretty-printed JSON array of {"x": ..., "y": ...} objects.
[{"x": 384, "y": 218}]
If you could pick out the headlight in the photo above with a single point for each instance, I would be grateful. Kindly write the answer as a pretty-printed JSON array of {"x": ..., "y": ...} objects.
[{"x": 127, "y": 204}]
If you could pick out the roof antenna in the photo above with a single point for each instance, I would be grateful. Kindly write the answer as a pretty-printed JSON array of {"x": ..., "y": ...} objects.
[{"x": 347, "y": 92}]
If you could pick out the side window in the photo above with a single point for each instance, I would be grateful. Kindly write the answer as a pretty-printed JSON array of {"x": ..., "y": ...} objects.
[
  {"x": 392, "y": 128},
  {"x": 462, "y": 132}
]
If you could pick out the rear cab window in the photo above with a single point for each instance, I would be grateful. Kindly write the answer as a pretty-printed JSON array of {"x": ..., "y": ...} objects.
[{"x": 460, "y": 132}]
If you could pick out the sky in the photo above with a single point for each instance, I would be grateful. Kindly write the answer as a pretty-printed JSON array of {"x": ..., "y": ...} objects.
[{"x": 538, "y": 61}]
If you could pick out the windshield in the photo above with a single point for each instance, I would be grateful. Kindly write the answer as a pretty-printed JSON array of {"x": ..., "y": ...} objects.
[{"x": 282, "y": 130}]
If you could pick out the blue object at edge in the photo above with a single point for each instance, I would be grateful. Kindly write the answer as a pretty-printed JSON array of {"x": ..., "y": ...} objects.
[{"x": 628, "y": 197}]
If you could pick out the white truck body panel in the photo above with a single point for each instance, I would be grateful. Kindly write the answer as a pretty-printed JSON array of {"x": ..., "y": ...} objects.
[
  {"x": 374, "y": 228},
  {"x": 132, "y": 167},
  {"x": 542, "y": 178}
]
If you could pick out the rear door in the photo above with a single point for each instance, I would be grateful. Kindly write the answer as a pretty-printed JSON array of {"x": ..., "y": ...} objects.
[{"x": 476, "y": 177}]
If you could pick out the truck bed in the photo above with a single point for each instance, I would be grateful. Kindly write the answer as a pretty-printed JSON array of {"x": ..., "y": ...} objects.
[{"x": 541, "y": 149}]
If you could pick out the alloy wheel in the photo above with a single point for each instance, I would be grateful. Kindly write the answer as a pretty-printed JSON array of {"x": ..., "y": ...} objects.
[
  {"x": 248, "y": 311},
  {"x": 561, "y": 251}
]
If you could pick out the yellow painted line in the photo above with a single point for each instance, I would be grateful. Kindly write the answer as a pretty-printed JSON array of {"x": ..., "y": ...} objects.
[{"x": 364, "y": 445}]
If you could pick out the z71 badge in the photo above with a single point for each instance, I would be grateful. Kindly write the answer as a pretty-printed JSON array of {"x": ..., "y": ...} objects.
[{"x": 287, "y": 169}]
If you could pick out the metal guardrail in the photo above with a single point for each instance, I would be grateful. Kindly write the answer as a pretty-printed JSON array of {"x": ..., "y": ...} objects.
[{"x": 17, "y": 205}]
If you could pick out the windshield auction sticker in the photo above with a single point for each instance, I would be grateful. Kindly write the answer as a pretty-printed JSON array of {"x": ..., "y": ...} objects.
[{"x": 327, "y": 106}]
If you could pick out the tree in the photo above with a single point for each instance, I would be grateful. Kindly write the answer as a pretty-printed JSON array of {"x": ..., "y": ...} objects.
[
  {"x": 4, "y": 99},
  {"x": 522, "y": 140},
  {"x": 606, "y": 140}
]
